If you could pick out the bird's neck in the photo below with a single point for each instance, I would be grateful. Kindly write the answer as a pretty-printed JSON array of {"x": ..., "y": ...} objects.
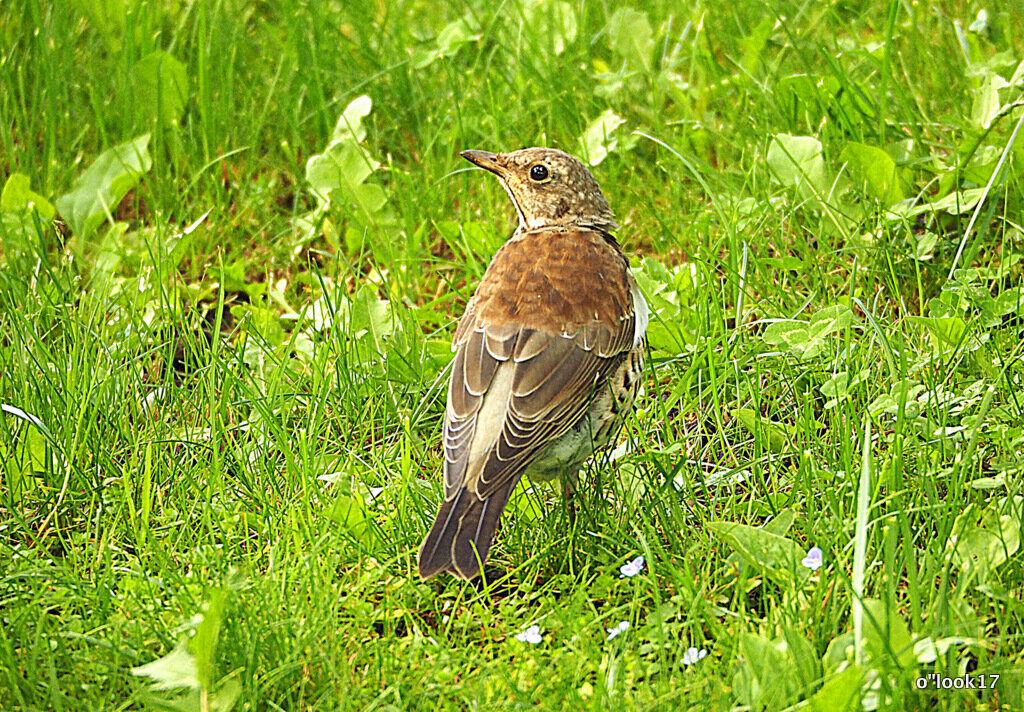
[{"x": 523, "y": 232}]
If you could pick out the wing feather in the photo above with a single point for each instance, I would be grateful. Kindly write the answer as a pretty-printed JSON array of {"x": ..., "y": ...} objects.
[{"x": 553, "y": 378}]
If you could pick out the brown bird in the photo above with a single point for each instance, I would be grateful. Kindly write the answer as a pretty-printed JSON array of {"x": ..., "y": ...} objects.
[{"x": 548, "y": 355}]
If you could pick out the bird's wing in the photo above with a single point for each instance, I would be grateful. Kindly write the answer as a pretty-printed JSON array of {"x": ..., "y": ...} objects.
[{"x": 514, "y": 389}]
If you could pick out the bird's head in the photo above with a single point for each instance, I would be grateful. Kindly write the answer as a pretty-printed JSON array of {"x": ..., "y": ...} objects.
[{"x": 549, "y": 188}]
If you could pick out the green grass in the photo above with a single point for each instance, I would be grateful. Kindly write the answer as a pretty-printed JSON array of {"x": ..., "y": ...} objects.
[{"x": 835, "y": 359}]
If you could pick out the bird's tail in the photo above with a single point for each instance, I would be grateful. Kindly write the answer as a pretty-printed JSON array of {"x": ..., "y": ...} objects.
[{"x": 462, "y": 532}]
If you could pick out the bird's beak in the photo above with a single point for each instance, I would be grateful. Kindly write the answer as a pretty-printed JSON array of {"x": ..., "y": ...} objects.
[{"x": 488, "y": 161}]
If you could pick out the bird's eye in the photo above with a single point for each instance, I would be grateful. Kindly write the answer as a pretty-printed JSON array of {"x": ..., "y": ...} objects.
[{"x": 539, "y": 173}]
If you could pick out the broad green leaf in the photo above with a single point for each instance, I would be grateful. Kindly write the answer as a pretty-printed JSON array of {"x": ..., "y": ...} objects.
[
  {"x": 887, "y": 639},
  {"x": 160, "y": 88},
  {"x": 964, "y": 620},
  {"x": 524, "y": 502},
  {"x": 761, "y": 664},
  {"x": 424, "y": 55},
  {"x": 903, "y": 391},
  {"x": 322, "y": 311},
  {"x": 552, "y": 20},
  {"x": 818, "y": 330},
  {"x": 369, "y": 198},
  {"x": 807, "y": 339},
  {"x": 104, "y": 184},
  {"x": 337, "y": 177},
  {"x": 667, "y": 336},
  {"x": 980, "y": 24},
  {"x": 928, "y": 650},
  {"x": 947, "y": 332},
  {"x": 925, "y": 248},
  {"x": 24, "y": 464},
  {"x": 825, "y": 98},
  {"x": 888, "y": 644},
  {"x": 437, "y": 353},
  {"x": 18, "y": 197},
  {"x": 373, "y": 316},
  {"x": 16, "y": 236},
  {"x": 21, "y": 212},
  {"x": 207, "y": 633},
  {"x": 785, "y": 263},
  {"x": 775, "y": 555},
  {"x": 107, "y": 255},
  {"x": 343, "y": 165},
  {"x": 838, "y": 387},
  {"x": 956, "y": 203},
  {"x": 353, "y": 498},
  {"x": 670, "y": 295},
  {"x": 599, "y": 139},
  {"x": 986, "y": 106},
  {"x": 350, "y": 123},
  {"x": 349, "y": 514},
  {"x": 175, "y": 670},
  {"x": 841, "y": 693},
  {"x": 984, "y": 540},
  {"x": 807, "y": 92},
  {"x": 794, "y": 643},
  {"x": 838, "y": 654},
  {"x": 1009, "y": 301},
  {"x": 351, "y": 481},
  {"x": 631, "y": 36},
  {"x": 793, "y": 336},
  {"x": 754, "y": 43},
  {"x": 221, "y": 700},
  {"x": 829, "y": 320},
  {"x": 453, "y": 36},
  {"x": 767, "y": 677},
  {"x": 785, "y": 333},
  {"x": 874, "y": 169},
  {"x": 772, "y": 436},
  {"x": 780, "y": 523},
  {"x": 473, "y": 237},
  {"x": 944, "y": 305},
  {"x": 796, "y": 161}
]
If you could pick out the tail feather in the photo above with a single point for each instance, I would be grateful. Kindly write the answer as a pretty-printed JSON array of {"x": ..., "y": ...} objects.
[
  {"x": 461, "y": 536},
  {"x": 435, "y": 551}
]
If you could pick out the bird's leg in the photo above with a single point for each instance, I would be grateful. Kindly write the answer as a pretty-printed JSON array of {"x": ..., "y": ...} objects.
[{"x": 570, "y": 500}]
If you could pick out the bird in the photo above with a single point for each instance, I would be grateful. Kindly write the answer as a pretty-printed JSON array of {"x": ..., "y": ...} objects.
[{"x": 548, "y": 357}]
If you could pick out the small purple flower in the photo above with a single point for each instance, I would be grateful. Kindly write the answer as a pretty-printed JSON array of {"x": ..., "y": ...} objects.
[
  {"x": 531, "y": 635},
  {"x": 632, "y": 568},
  {"x": 692, "y": 655},
  {"x": 813, "y": 560},
  {"x": 615, "y": 631}
]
